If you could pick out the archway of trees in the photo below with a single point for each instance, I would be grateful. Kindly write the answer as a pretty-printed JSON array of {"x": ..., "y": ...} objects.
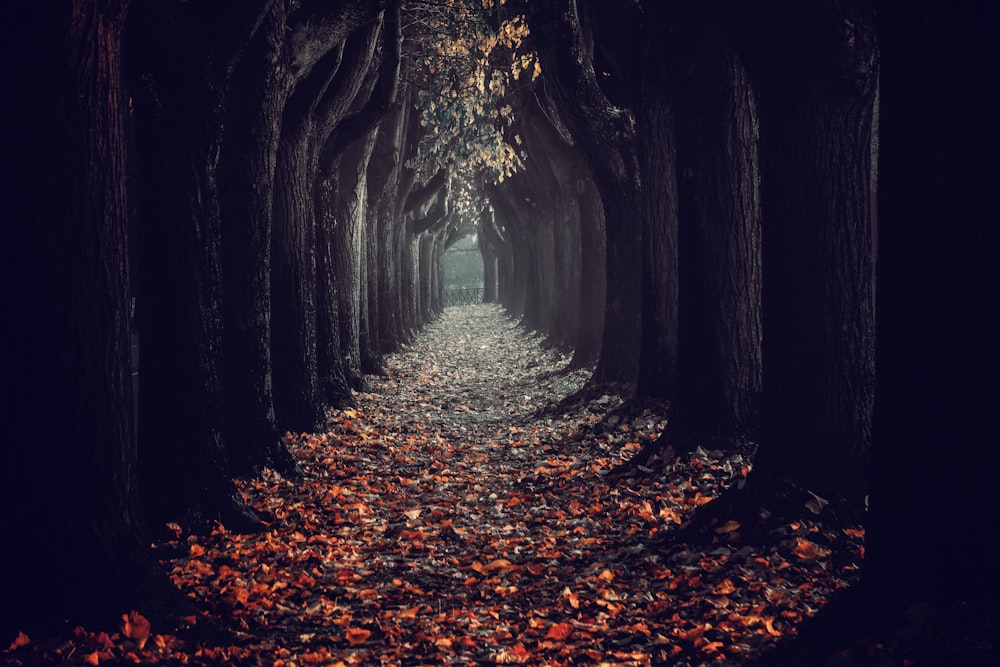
[{"x": 222, "y": 216}]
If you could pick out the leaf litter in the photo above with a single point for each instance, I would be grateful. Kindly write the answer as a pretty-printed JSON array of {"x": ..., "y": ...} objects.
[{"x": 457, "y": 517}]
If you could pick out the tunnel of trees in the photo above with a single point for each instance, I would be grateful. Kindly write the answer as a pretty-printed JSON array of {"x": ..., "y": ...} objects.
[{"x": 221, "y": 216}]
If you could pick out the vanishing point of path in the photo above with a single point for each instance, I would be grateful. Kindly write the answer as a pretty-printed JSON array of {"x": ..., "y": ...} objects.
[{"x": 446, "y": 520}]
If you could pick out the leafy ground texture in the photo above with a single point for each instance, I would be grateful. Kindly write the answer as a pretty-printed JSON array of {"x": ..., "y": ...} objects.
[{"x": 455, "y": 517}]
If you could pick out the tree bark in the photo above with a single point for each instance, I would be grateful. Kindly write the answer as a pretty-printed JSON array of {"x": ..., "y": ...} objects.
[
  {"x": 247, "y": 194},
  {"x": 606, "y": 136},
  {"x": 719, "y": 335},
  {"x": 68, "y": 486},
  {"x": 814, "y": 70},
  {"x": 938, "y": 305},
  {"x": 179, "y": 134},
  {"x": 656, "y": 155}
]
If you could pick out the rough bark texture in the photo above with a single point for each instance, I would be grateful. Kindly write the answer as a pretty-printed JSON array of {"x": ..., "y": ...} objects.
[
  {"x": 179, "y": 134},
  {"x": 297, "y": 396},
  {"x": 349, "y": 245},
  {"x": 814, "y": 70},
  {"x": 592, "y": 261},
  {"x": 68, "y": 486},
  {"x": 656, "y": 155},
  {"x": 247, "y": 195},
  {"x": 938, "y": 305},
  {"x": 719, "y": 367}
]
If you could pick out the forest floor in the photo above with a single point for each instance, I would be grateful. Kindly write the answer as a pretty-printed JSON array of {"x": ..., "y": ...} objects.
[{"x": 458, "y": 517}]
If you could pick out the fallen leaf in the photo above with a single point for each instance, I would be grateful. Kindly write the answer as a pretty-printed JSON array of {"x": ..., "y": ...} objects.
[
  {"x": 357, "y": 635},
  {"x": 728, "y": 527},
  {"x": 806, "y": 549},
  {"x": 19, "y": 641},
  {"x": 559, "y": 631},
  {"x": 135, "y": 626}
]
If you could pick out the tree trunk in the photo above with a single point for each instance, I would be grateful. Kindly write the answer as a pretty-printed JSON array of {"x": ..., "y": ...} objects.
[
  {"x": 247, "y": 195},
  {"x": 938, "y": 305},
  {"x": 297, "y": 398},
  {"x": 592, "y": 283},
  {"x": 330, "y": 283},
  {"x": 656, "y": 155},
  {"x": 719, "y": 366},
  {"x": 349, "y": 246},
  {"x": 815, "y": 80},
  {"x": 68, "y": 486},
  {"x": 606, "y": 137},
  {"x": 179, "y": 134}
]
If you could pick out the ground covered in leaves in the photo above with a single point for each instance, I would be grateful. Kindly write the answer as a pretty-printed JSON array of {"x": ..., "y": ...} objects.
[{"x": 455, "y": 518}]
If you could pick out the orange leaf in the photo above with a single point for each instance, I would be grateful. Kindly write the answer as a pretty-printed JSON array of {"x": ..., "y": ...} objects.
[
  {"x": 93, "y": 658},
  {"x": 21, "y": 640},
  {"x": 357, "y": 635},
  {"x": 410, "y": 613},
  {"x": 725, "y": 588},
  {"x": 559, "y": 631},
  {"x": 806, "y": 549},
  {"x": 728, "y": 527},
  {"x": 498, "y": 564},
  {"x": 606, "y": 576},
  {"x": 135, "y": 626}
]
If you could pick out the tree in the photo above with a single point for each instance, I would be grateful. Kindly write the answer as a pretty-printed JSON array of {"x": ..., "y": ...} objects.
[
  {"x": 938, "y": 305},
  {"x": 246, "y": 187},
  {"x": 719, "y": 263},
  {"x": 179, "y": 120},
  {"x": 814, "y": 70},
  {"x": 69, "y": 482},
  {"x": 605, "y": 135}
]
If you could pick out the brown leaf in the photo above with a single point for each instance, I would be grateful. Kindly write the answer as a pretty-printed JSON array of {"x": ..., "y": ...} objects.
[{"x": 559, "y": 631}]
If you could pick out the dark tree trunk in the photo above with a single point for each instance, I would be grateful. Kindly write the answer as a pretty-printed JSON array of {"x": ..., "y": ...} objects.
[
  {"x": 68, "y": 486},
  {"x": 489, "y": 256},
  {"x": 592, "y": 283},
  {"x": 814, "y": 69},
  {"x": 938, "y": 306},
  {"x": 719, "y": 366},
  {"x": 349, "y": 244},
  {"x": 297, "y": 397},
  {"x": 566, "y": 295},
  {"x": 656, "y": 154},
  {"x": 247, "y": 195},
  {"x": 179, "y": 134},
  {"x": 331, "y": 367}
]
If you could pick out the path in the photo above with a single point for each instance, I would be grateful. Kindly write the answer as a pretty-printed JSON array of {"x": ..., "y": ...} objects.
[{"x": 445, "y": 522}]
